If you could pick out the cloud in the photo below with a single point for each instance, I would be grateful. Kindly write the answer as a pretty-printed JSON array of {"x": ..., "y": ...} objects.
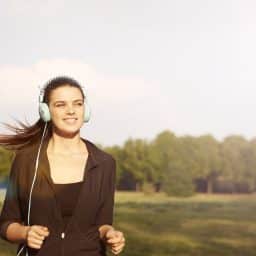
[
  {"x": 19, "y": 81},
  {"x": 115, "y": 100}
]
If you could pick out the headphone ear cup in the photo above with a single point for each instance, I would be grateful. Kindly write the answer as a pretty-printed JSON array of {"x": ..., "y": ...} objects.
[
  {"x": 44, "y": 112},
  {"x": 87, "y": 112}
]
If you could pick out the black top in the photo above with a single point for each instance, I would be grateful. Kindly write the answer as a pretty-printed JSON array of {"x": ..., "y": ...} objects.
[{"x": 67, "y": 195}]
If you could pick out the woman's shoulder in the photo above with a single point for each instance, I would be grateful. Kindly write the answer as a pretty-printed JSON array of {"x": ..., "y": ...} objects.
[
  {"x": 27, "y": 151},
  {"x": 97, "y": 151}
]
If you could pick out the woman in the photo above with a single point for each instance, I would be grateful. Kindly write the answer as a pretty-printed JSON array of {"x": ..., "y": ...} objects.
[{"x": 60, "y": 195}]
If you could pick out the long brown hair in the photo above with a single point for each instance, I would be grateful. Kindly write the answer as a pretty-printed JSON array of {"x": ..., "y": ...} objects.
[{"x": 24, "y": 133}]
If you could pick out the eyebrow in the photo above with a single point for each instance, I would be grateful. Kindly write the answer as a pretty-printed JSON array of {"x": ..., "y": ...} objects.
[{"x": 63, "y": 101}]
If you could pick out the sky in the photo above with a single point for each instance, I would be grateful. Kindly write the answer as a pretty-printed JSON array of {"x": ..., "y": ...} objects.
[{"x": 187, "y": 66}]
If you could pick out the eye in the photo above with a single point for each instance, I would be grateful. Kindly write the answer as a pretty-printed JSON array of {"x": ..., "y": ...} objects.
[
  {"x": 60, "y": 105},
  {"x": 79, "y": 104}
]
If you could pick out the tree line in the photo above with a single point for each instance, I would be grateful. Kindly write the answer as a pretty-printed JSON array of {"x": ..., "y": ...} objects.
[
  {"x": 179, "y": 166},
  {"x": 184, "y": 165}
]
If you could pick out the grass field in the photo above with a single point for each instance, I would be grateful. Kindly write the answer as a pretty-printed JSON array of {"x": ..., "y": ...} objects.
[{"x": 215, "y": 225}]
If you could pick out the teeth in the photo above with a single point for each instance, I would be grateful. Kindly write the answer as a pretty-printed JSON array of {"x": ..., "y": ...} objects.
[{"x": 70, "y": 120}]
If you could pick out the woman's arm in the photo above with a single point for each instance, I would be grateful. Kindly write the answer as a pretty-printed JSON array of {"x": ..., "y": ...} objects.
[
  {"x": 105, "y": 212},
  {"x": 16, "y": 232},
  {"x": 33, "y": 235},
  {"x": 108, "y": 234}
]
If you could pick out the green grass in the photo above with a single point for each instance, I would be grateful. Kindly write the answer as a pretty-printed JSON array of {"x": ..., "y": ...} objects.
[{"x": 215, "y": 225}]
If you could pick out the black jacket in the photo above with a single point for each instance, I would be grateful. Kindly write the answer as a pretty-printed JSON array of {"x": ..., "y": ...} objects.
[{"x": 93, "y": 209}]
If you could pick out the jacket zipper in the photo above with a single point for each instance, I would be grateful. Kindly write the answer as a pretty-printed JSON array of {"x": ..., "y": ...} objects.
[{"x": 62, "y": 246}]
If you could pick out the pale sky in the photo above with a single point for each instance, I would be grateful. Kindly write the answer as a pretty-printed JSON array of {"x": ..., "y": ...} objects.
[{"x": 183, "y": 65}]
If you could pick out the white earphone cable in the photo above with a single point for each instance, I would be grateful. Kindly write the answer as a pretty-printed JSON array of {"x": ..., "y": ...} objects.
[{"x": 33, "y": 182}]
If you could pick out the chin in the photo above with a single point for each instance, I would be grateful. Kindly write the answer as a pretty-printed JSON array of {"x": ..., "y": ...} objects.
[{"x": 68, "y": 133}]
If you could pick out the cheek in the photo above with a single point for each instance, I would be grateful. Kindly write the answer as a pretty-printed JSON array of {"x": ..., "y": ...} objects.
[
  {"x": 56, "y": 116},
  {"x": 80, "y": 113}
]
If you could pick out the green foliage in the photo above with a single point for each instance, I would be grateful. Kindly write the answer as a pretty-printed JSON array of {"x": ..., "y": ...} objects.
[
  {"x": 178, "y": 183},
  {"x": 5, "y": 162},
  {"x": 240, "y": 161},
  {"x": 209, "y": 159},
  {"x": 117, "y": 153},
  {"x": 185, "y": 159}
]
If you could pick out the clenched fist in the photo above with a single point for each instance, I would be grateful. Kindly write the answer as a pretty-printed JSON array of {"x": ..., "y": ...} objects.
[
  {"x": 115, "y": 240},
  {"x": 35, "y": 236}
]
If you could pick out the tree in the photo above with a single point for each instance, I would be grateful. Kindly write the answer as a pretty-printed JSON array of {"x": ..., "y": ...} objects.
[
  {"x": 135, "y": 157},
  {"x": 163, "y": 153},
  {"x": 5, "y": 162},
  {"x": 209, "y": 160},
  {"x": 116, "y": 152},
  {"x": 174, "y": 172},
  {"x": 239, "y": 160}
]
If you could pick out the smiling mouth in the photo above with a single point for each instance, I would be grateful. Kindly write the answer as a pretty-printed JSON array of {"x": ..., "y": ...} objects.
[{"x": 70, "y": 120}]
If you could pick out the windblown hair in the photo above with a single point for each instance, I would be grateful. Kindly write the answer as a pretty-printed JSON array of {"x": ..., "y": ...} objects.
[{"x": 24, "y": 133}]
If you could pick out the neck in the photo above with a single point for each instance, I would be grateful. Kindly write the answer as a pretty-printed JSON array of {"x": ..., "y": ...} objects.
[{"x": 64, "y": 145}]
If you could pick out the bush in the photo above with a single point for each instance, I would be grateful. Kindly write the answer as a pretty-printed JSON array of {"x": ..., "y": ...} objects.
[{"x": 178, "y": 183}]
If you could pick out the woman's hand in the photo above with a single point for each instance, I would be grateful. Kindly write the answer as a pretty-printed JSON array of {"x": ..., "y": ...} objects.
[
  {"x": 35, "y": 236},
  {"x": 115, "y": 239}
]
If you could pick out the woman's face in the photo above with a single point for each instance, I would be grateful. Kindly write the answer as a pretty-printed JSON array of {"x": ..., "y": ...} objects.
[{"x": 66, "y": 106}]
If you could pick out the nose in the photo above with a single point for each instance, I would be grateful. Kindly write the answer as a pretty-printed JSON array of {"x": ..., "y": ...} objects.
[{"x": 70, "y": 110}]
